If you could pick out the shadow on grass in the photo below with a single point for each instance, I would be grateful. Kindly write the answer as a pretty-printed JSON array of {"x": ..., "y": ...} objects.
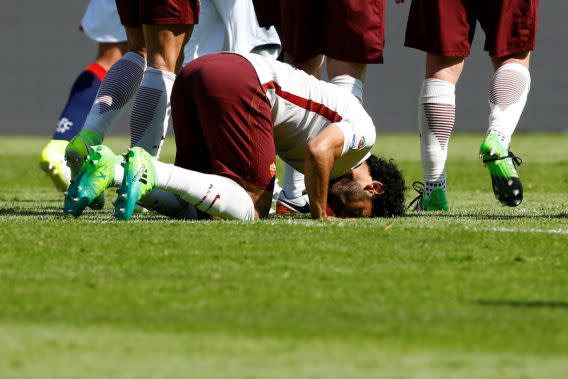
[{"x": 523, "y": 303}]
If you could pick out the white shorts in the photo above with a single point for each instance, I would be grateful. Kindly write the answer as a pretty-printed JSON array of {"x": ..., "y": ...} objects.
[
  {"x": 230, "y": 25},
  {"x": 101, "y": 23}
]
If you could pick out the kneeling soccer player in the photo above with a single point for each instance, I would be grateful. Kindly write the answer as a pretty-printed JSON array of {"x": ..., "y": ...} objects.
[{"x": 231, "y": 115}]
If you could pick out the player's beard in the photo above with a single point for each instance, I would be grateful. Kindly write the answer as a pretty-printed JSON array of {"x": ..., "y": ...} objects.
[{"x": 343, "y": 191}]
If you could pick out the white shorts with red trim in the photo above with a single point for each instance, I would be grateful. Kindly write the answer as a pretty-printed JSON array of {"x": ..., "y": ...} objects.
[{"x": 101, "y": 23}]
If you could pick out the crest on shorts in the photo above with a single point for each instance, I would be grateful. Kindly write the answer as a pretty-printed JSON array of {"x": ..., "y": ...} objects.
[{"x": 273, "y": 169}]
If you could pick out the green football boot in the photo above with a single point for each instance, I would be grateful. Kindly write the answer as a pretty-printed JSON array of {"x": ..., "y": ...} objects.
[
  {"x": 94, "y": 177},
  {"x": 436, "y": 201},
  {"x": 501, "y": 164},
  {"x": 76, "y": 153},
  {"x": 139, "y": 179}
]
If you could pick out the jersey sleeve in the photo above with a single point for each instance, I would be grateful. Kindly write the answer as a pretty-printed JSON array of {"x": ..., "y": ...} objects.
[{"x": 360, "y": 136}]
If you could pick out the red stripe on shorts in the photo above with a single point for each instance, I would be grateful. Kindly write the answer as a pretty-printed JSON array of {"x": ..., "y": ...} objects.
[
  {"x": 97, "y": 70},
  {"x": 304, "y": 103}
]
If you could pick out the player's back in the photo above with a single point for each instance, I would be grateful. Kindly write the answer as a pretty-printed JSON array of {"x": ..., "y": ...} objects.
[{"x": 303, "y": 105}]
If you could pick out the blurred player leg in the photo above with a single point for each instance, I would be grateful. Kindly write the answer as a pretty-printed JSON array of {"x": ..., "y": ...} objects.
[
  {"x": 101, "y": 24},
  {"x": 71, "y": 121}
]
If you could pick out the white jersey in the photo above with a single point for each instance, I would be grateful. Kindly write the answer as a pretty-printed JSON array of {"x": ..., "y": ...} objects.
[
  {"x": 101, "y": 22},
  {"x": 303, "y": 105},
  {"x": 229, "y": 25}
]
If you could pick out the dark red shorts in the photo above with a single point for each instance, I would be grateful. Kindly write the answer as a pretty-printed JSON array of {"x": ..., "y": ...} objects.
[
  {"x": 348, "y": 30},
  {"x": 447, "y": 27},
  {"x": 222, "y": 121},
  {"x": 267, "y": 12},
  {"x": 134, "y": 13}
]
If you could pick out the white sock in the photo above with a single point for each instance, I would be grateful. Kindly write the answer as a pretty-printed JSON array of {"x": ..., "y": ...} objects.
[
  {"x": 507, "y": 98},
  {"x": 151, "y": 110},
  {"x": 169, "y": 204},
  {"x": 293, "y": 182},
  {"x": 350, "y": 84},
  {"x": 160, "y": 201},
  {"x": 212, "y": 194},
  {"x": 436, "y": 118},
  {"x": 118, "y": 174},
  {"x": 117, "y": 88}
]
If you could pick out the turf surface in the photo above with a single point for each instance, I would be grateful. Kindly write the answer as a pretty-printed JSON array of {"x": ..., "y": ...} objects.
[{"x": 479, "y": 292}]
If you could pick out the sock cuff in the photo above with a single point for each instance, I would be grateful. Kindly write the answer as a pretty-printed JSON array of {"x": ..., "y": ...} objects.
[
  {"x": 514, "y": 67},
  {"x": 137, "y": 59},
  {"x": 351, "y": 84},
  {"x": 97, "y": 70},
  {"x": 437, "y": 91},
  {"x": 170, "y": 76}
]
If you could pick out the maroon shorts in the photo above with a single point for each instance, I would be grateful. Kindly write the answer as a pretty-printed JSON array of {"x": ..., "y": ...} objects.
[
  {"x": 267, "y": 12},
  {"x": 348, "y": 30},
  {"x": 447, "y": 27},
  {"x": 134, "y": 13},
  {"x": 222, "y": 121}
]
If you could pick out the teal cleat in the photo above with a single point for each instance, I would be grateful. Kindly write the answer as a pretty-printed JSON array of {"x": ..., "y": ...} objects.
[
  {"x": 139, "y": 179},
  {"x": 77, "y": 151},
  {"x": 501, "y": 164},
  {"x": 94, "y": 177}
]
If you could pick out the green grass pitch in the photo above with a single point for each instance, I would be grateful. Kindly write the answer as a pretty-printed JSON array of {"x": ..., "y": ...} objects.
[{"x": 479, "y": 292}]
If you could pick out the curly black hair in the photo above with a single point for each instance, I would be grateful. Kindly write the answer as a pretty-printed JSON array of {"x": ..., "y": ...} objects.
[{"x": 391, "y": 202}]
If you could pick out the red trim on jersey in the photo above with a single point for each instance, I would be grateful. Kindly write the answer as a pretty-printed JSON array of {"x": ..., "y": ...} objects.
[
  {"x": 97, "y": 70},
  {"x": 307, "y": 104}
]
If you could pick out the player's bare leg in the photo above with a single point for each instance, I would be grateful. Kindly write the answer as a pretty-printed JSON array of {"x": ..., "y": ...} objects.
[
  {"x": 436, "y": 118},
  {"x": 507, "y": 98},
  {"x": 151, "y": 109},
  {"x": 312, "y": 66},
  {"x": 109, "y": 53},
  {"x": 347, "y": 75}
]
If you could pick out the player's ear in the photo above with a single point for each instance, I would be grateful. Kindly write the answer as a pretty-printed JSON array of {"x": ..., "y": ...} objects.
[{"x": 375, "y": 188}]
